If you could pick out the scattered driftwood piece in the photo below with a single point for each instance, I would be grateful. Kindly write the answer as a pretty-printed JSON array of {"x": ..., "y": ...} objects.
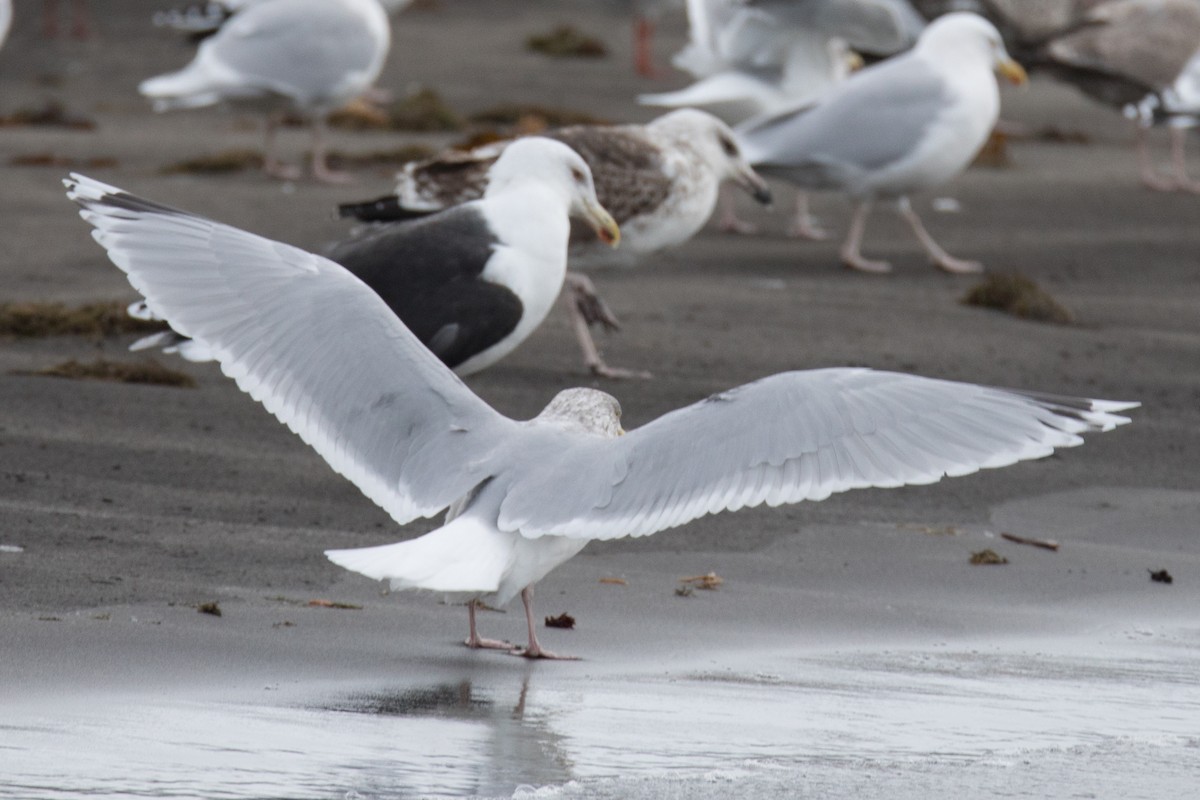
[
  {"x": 213, "y": 608},
  {"x": 1045, "y": 544},
  {"x": 563, "y": 620},
  {"x": 987, "y": 557},
  {"x": 1016, "y": 294},
  {"x": 615, "y": 581},
  {"x": 1161, "y": 576},
  {"x": 566, "y": 41},
  {"x": 332, "y": 604},
  {"x": 710, "y": 581}
]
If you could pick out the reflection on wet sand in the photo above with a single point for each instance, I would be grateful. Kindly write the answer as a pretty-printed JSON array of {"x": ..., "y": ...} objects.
[{"x": 515, "y": 747}]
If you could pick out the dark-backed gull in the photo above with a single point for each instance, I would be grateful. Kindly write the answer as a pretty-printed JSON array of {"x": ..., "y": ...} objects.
[{"x": 473, "y": 281}]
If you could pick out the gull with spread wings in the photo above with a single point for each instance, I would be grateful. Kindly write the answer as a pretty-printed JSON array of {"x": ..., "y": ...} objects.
[{"x": 326, "y": 355}]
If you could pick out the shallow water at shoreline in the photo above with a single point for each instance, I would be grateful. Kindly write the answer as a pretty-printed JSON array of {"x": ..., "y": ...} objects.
[{"x": 1111, "y": 723}]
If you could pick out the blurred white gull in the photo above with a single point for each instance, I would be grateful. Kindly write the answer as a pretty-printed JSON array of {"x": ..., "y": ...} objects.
[
  {"x": 1137, "y": 56},
  {"x": 757, "y": 57},
  {"x": 323, "y": 353},
  {"x": 906, "y": 124},
  {"x": 311, "y": 56},
  {"x": 205, "y": 18}
]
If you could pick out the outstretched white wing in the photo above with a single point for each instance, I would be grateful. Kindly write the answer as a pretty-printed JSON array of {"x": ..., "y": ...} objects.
[
  {"x": 791, "y": 437},
  {"x": 313, "y": 344}
]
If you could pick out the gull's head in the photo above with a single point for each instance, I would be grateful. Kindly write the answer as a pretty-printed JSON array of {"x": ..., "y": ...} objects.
[
  {"x": 593, "y": 411},
  {"x": 559, "y": 169},
  {"x": 964, "y": 35},
  {"x": 717, "y": 146}
]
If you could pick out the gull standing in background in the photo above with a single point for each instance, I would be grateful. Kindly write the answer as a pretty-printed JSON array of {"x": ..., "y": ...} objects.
[
  {"x": 474, "y": 281},
  {"x": 320, "y": 350},
  {"x": 660, "y": 181},
  {"x": 908, "y": 123},
  {"x": 752, "y": 58},
  {"x": 311, "y": 56},
  {"x": 1134, "y": 55}
]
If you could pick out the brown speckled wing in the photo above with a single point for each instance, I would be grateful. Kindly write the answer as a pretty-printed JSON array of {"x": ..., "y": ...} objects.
[
  {"x": 626, "y": 166},
  {"x": 451, "y": 178}
]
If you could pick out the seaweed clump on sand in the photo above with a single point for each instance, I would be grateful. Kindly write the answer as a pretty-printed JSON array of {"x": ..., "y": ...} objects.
[
  {"x": 51, "y": 114},
  {"x": 423, "y": 111},
  {"x": 534, "y": 118},
  {"x": 221, "y": 163},
  {"x": 99, "y": 319},
  {"x": 566, "y": 41},
  {"x": 145, "y": 372},
  {"x": 1015, "y": 294},
  {"x": 380, "y": 158}
]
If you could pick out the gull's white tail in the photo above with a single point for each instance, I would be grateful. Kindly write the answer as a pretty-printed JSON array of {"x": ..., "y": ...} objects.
[{"x": 462, "y": 556}]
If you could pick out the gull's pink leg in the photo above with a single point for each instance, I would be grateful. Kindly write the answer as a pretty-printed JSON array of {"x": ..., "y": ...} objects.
[
  {"x": 80, "y": 26},
  {"x": 585, "y": 307},
  {"x": 1149, "y": 175},
  {"x": 851, "y": 252},
  {"x": 643, "y": 51},
  {"x": 1179, "y": 161},
  {"x": 803, "y": 226},
  {"x": 320, "y": 155},
  {"x": 474, "y": 640},
  {"x": 941, "y": 259},
  {"x": 271, "y": 164},
  {"x": 534, "y": 650},
  {"x": 729, "y": 222}
]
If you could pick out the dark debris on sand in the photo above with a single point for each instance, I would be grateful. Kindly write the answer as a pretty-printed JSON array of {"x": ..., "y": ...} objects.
[
  {"x": 221, "y": 163},
  {"x": 987, "y": 558},
  {"x": 1015, "y": 294},
  {"x": 50, "y": 114},
  {"x": 566, "y": 41},
  {"x": 98, "y": 319},
  {"x": 563, "y": 620},
  {"x": 145, "y": 372}
]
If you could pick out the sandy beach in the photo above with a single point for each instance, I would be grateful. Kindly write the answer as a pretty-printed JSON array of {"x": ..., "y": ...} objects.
[{"x": 852, "y": 651}]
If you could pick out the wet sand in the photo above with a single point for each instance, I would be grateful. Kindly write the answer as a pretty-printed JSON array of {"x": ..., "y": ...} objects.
[{"x": 852, "y": 651}]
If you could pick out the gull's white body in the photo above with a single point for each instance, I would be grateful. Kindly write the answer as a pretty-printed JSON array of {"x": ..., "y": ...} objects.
[
  {"x": 5, "y": 19},
  {"x": 906, "y": 124},
  {"x": 289, "y": 51},
  {"x": 313, "y": 56},
  {"x": 324, "y": 353}
]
